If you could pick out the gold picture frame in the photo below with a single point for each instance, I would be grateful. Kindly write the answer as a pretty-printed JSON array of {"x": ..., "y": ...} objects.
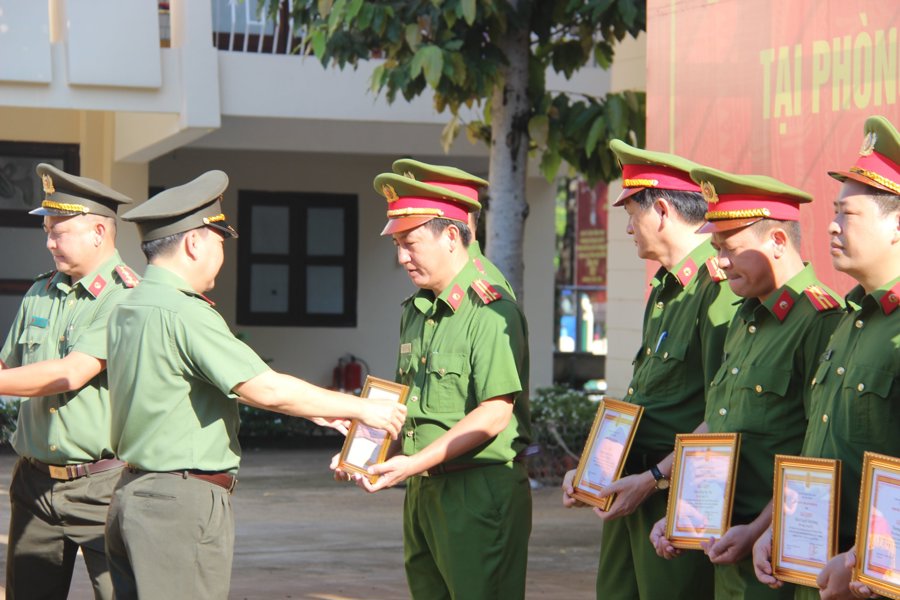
[
  {"x": 607, "y": 446},
  {"x": 701, "y": 494},
  {"x": 365, "y": 446},
  {"x": 805, "y": 515},
  {"x": 876, "y": 542}
]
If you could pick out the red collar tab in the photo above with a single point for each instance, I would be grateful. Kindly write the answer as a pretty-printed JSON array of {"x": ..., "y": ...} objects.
[
  {"x": 455, "y": 298},
  {"x": 783, "y": 305},
  {"x": 891, "y": 299},
  {"x": 821, "y": 299},
  {"x": 687, "y": 272},
  {"x": 208, "y": 301},
  {"x": 715, "y": 271},
  {"x": 97, "y": 286}
]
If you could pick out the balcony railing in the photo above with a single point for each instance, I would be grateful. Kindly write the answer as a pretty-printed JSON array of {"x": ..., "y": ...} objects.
[{"x": 249, "y": 26}]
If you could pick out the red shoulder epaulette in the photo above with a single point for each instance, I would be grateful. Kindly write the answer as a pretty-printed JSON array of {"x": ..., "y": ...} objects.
[
  {"x": 715, "y": 271},
  {"x": 128, "y": 277},
  {"x": 478, "y": 265},
  {"x": 485, "y": 291},
  {"x": 821, "y": 299},
  {"x": 891, "y": 299}
]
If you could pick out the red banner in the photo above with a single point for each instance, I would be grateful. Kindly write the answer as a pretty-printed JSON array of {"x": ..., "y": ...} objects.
[
  {"x": 590, "y": 235},
  {"x": 774, "y": 88}
]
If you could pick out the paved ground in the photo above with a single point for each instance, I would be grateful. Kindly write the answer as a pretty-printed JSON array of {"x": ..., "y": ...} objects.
[{"x": 302, "y": 535}]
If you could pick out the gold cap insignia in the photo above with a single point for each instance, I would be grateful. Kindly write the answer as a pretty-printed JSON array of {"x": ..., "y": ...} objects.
[
  {"x": 47, "y": 181},
  {"x": 389, "y": 193},
  {"x": 215, "y": 219},
  {"x": 868, "y": 145},
  {"x": 709, "y": 192},
  {"x": 410, "y": 175}
]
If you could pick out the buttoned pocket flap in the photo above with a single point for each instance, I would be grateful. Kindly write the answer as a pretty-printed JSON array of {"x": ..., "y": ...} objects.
[
  {"x": 674, "y": 350},
  {"x": 764, "y": 379},
  {"x": 868, "y": 380},
  {"x": 446, "y": 364},
  {"x": 33, "y": 335}
]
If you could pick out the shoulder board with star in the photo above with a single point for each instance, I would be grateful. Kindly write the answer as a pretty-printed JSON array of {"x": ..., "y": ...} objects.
[
  {"x": 715, "y": 271},
  {"x": 485, "y": 291},
  {"x": 129, "y": 278},
  {"x": 50, "y": 273},
  {"x": 821, "y": 298}
]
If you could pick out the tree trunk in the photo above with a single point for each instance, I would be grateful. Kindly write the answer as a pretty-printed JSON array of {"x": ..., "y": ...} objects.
[{"x": 508, "y": 208}]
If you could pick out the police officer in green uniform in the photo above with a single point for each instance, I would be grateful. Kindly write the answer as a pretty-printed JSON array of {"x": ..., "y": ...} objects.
[
  {"x": 771, "y": 352},
  {"x": 450, "y": 177},
  {"x": 55, "y": 358},
  {"x": 176, "y": 375},
  {"x": 685, "y": 320},
  {"x": 464, "y": 354},
  {"x": 856, "y": 389}
]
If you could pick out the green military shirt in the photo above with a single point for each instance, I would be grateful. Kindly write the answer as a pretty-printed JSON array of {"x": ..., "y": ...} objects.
[
  {"x": 173, "y": 365},
  {"x": 488, "y": 269},
  {"x": 762, "y": 387},
  {"x": 685, "y": 322},
  {"x": 468, "y": 345},
  {"x": 855, "y": 402},
  {"x": 58, "y": 317}
]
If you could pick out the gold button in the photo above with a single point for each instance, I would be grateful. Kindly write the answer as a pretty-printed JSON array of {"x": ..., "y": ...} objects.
[
  {"x": 735, "y": 371},
  {"x": 648, "y": 351},
  {"x": 861, "y": 387},
  {"x": 410, "y": 433},
  {"x": 660, "y": 305},
  {"x": 665, "y": 355},
  {"x": 841, "y": 370},
  {"x": 814, "y": 381},
  {"x": 758, "y": 389},
  {"x": 62, "y": 338},
  {"x": 630, "y": 391},
  {"x": 423, "y": 360},
  {"x": 859, "y": 324},
  {"x": 824, "y": 418},
  {"x": 443, "y": 371},
  {"x": 723, "y": 412},
  {"x": 429, "y": 322},
  {"x": 52, "y": 448},
  {"x": 752, "y": 329},
  {"x": 399, "y": 371},
  {"x": 52, "y": 410},
  {"x": 413, "y": 398},
  {"x": 71, "y": 302}
]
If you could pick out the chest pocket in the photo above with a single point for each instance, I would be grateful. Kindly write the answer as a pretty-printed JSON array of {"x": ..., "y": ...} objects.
[
  {"x": 872, "y": 419},
  {"x": 760, "y": 398},
  {"x": 447, "y": 382},
  {"x": 32, "y": 339},
  {"x": 662, "y": 371}
]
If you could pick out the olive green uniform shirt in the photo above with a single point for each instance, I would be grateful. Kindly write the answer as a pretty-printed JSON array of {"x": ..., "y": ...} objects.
[
  {"x": 468, "y": 345},
  {"x": 173, "y": 365},
  {"x": 488, "y": 269},
  {"x": 58, "y": 317},
  {"x": 685, "y": 322},
  {"x": 760, "y": 391},
  {"x": 855, "y": 403}
]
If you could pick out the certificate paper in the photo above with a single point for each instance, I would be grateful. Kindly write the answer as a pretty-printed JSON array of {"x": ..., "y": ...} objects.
[
  {"x": 604, "y": 452},
  {"x": 366, "y": 446},
  {"x": 878, "y": 525},
  {"x": 807, "y": 492},
  {"x": 702, "y": 489}
]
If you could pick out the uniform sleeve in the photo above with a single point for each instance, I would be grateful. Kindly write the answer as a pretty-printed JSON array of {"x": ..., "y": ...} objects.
[
  {"x": 716, "y": 313},
  {"x": 499, "y": 351},
  {"x": 92, "y": 338},
  {"x": 212, "y": 351}
]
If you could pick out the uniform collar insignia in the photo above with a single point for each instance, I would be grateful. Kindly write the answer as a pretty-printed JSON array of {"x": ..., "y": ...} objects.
[
  {"x": 97, "y": 286},
  {"x": 687, "y": 272},
  {"x": 783, "y": 305},
  {"x": 891, "y": 299}
]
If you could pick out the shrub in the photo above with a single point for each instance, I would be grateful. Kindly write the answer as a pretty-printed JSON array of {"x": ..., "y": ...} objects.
[{"x": 561, "y": 420}]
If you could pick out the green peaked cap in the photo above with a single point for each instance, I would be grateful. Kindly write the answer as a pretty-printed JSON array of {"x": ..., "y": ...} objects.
[
  {"x": 643, "y": 169},
  {"x": 878, "y": 163},
  {"x": 740, "y": 200},
  {"x": 195, "y": 204},
  {"x": 412, "y": 203},
  {"x": 67, "y": 195},
  {"x": 421, "y": 171}
]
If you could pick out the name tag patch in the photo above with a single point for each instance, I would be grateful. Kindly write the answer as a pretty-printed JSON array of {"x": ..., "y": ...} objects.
[
  {"x": 405, "y": 348},
  {"x": 39, "y": 322}
]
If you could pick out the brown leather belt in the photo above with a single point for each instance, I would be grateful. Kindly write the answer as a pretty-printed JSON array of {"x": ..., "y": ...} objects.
[
  {"x": 223, "y": 480},
  {"x": 70, "y": 472}
]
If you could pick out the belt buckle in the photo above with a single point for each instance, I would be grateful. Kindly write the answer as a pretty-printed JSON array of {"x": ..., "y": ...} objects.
[{"x": 61, "y": 473}]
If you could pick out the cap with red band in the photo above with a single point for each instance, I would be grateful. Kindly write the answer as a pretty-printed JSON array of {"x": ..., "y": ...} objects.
[
  {"x": 739, "y": 200},
  {"x": 643, "y": 169},
  {"x": 412, "y": 203},
  {"x": 878, "y": 164}
]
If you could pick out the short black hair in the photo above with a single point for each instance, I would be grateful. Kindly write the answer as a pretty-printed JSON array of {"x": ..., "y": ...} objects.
[
  {"x": 161, "y": 246},
  {"x": 440, "y": 224},
  {"x": 886, "y": 201},
  {"x": 690, "y": 206},
  {"x": 792, "y": 228}
]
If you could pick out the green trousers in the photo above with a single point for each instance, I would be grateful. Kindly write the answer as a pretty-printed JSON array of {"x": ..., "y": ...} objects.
[
  {"x": 739, "y": 582},
  {"x": 49, "y": 521},
  {"x": 630, "y": 568},
  {"x": 169, "y": 536},
  {"x": 803, "y": 592},
  {"x": 465, "y": 534}
]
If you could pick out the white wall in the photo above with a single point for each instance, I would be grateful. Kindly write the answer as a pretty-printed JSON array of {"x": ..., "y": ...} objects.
[{"x": 311, "y": 352}]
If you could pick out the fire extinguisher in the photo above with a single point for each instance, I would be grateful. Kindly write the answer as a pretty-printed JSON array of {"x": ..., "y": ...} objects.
[{"x": 349, "y": 372}]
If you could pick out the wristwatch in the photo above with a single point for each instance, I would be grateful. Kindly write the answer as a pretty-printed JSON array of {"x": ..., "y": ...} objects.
[{"x": 662, "y": 482}]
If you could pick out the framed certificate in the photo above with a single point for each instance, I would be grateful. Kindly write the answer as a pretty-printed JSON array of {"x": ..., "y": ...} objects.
[
  {"x": 805, "y": 517},
  {"x": 878, "y": 525},
  {"x": 702, "y": 487},
  {"x": 365, "y": 446},
  {"x": 604, "y": 452}
]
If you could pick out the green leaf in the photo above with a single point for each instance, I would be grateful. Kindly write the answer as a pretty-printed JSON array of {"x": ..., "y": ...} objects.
[
  {"x": 468, "y": 9},
  {"x": 430, "y": 59},
  {"x": 318, "y": 42},
  {"x": 325, "y": 7},
  {"x": 597, "y": 129},
  {"x": 336, "y": 16},
  {"x": 550, "y": 162},
  {"x": 377, "y": 78},
  {"x": 538, "y": 129},
  {"x": 353, "y": 9},
  {"x": 413, "y": 36},
  {"x": 449, "y": 133}
]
